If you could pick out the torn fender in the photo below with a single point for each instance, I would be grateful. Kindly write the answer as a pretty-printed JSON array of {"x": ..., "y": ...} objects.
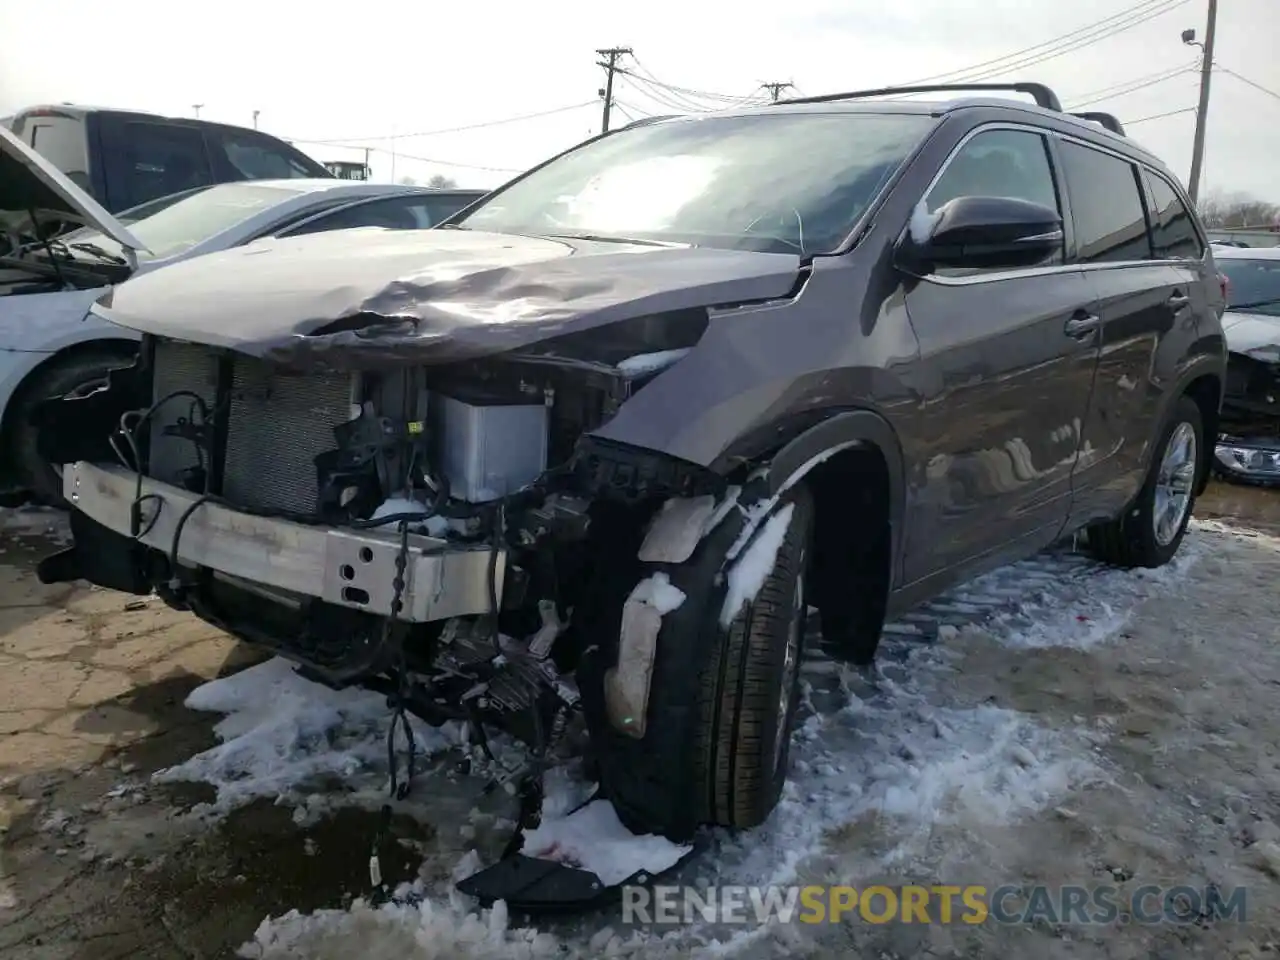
[{"x": 361, "y": 299}]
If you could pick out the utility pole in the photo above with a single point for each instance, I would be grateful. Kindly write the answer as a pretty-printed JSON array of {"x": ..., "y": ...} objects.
[
  {"x": 610, "y": 68},
  {"x": 255, "y": 118},
  {"x": 196, "y": 107},
  {"x": 1202, "y": 112},
  {"x": 776, "y": 88}
]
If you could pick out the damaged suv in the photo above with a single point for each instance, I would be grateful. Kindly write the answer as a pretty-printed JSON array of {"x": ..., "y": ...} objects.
[{"x": 600, "y": 441}]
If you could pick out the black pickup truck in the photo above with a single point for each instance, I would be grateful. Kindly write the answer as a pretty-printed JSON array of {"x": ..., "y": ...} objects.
[{"x": 123, "y": 158}]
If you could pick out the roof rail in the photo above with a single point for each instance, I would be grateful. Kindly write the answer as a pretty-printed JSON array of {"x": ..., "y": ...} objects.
[
  {"x": 1106, "y": 120},
  {"x": 1043, "y": 96}
]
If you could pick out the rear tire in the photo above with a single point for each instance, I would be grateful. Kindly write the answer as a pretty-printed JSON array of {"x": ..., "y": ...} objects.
[
  {"x": 75, "y": 373},
  {"x": 1151, "y": 530}
]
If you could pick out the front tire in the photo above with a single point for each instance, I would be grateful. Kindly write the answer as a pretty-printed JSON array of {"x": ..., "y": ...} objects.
[
  {"x": 72, "y": 374},
  {"x": 722, "y": 700},
  {"x": 751, "y": 686},
  {"x": 1150, "y": 532}
]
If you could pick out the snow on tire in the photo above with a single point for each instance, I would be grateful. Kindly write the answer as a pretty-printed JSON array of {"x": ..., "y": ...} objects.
[{"x": 750, "y": 685}]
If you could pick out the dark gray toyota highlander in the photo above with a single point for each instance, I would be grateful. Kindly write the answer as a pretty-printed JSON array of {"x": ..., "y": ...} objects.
[{"x": 598, "y": 443}]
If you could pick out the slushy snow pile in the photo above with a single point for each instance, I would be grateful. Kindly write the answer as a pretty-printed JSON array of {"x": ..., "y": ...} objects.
[
  {"x": 884, "y": 747},
  {"x": 594, "y": 839}
]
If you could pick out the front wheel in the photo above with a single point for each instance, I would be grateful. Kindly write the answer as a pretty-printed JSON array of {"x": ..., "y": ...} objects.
[
  {"x": 1150, "y": 532},
  {"x": 68, "y": 376},
  {"x": 751, "y": 685},
  {"x": 725, "y": 684}
]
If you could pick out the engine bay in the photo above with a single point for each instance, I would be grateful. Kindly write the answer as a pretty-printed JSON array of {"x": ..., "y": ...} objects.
[{"x": 489, "y": 455}]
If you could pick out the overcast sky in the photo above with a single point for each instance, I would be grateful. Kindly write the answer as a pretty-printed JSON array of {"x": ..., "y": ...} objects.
[{"x": 374, "y": 68}]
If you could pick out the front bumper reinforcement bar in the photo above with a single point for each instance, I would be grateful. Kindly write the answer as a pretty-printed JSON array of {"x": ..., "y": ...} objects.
[{"x": 347, "y": 567}]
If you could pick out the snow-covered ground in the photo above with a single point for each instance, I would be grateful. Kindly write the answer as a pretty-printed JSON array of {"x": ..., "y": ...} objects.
[{"x": 897, "y": 748}]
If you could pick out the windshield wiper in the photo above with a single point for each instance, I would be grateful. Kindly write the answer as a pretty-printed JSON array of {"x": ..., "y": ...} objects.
[
  {"x": 99, "y": 252},
  {"x": 606, "y": 239},
  {"x": 1251, "y": 304}
]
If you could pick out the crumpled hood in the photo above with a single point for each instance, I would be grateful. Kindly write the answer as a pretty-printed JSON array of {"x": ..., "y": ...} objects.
[
  {"x": 372, "y": 297},
  {"x": 1253, "y": 334}
]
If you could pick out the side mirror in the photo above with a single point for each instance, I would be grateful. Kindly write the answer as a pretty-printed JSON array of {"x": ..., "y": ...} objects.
[{"x": 982, "y": 232}]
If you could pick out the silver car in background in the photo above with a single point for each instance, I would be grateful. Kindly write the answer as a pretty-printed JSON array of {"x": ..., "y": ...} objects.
[{"x": 49, "y": 343}]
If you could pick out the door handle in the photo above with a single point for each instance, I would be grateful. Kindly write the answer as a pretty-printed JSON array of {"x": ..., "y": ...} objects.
[
  {"x": 1081, "y": 325},
  {"x": 1178, "y": 300}
]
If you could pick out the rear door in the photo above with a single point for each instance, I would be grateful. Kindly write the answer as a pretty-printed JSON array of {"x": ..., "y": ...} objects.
[
  {"x": 1142, "y": 301},
  {"x": 1011, "y": 376},
  {"x": 144, "y": 159}
]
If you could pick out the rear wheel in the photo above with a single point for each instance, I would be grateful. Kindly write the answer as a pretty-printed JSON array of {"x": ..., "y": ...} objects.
[
  {"x": 1150, "y": 532},
  {"x": 75, "y": 375}
]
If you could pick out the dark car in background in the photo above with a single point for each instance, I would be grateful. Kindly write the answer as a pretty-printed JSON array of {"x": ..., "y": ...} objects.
[
  {"x": 1249, "y": 448},
  {"x": 123, "y": 158}
]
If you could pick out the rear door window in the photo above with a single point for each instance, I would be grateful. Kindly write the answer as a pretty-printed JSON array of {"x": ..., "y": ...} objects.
[
  {"x": 251, "y": 156},
  {"x": 1106, "y": 205},
  {"x": 1173, "y": 234},
  {"x": 146, "y": 160}
]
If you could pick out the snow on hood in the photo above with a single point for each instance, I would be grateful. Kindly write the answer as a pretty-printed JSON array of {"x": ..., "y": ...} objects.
[
  {"x": 1253, "y": 334},
  {"x": 28, "y": 181},
  {"x": 370, "y": 297}
]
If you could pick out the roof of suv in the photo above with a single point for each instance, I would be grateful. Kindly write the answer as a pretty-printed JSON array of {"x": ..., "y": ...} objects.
[{"x": 1077, "y": 125}]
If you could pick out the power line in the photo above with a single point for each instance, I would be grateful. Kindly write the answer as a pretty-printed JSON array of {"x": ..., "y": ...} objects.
[
  {"x": 1257, "y": 86},
  {"x": 1160, "y": 116},
  {"x": 702, "y": 94},
  {"x": 445, "y": 163},
  {"x": 1093, "y": 95},
  {"x": 1059, "y": 46},
  {"x": 1124, "y": 89},
  {"x": 660, "y": 96},
  {"x": 339, "y": 141}
]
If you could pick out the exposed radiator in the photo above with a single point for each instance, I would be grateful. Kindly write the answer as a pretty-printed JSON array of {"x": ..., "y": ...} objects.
[{"x": 278, "y": 423}]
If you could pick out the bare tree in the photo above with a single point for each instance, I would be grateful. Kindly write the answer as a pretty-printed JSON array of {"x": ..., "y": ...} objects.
[
  {"x": 408, "y": 181},
  {"x": 442, "y": 182},
  {"x": 1220, "y": 210}
]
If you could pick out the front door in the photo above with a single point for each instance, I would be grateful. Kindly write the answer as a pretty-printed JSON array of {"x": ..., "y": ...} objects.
[{"x": 1007, "y": 362}]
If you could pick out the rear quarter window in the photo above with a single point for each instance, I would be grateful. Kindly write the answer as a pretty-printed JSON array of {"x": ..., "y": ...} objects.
[
  {"x": 61, "y": 140},
  {"x": 1173, "y": 233}
]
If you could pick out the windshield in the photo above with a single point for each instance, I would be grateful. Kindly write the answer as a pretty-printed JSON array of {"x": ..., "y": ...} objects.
[
  {"x": 189, "y": 220},
  {"x": 1254, "y": 284},
  {"x": 781, "y": 183}
]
